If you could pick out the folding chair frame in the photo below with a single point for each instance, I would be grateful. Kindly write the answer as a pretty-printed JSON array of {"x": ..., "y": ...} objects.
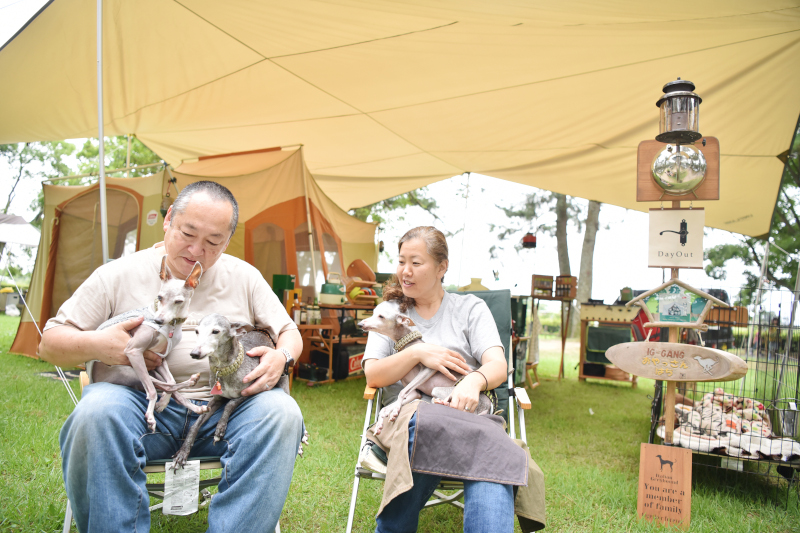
[{"x": 159, "y": 466}]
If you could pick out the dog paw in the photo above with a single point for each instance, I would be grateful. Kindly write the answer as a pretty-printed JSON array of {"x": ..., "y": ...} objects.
[
  {"x": 300, "y": 450},
  {"x": 304, "y": 440},
  {"x": 179, "y": 460},
  {"x": 193, "y": 379}
]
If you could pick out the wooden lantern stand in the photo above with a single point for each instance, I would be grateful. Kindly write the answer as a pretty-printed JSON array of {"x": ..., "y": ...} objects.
[{"x": 564, "y": 291}]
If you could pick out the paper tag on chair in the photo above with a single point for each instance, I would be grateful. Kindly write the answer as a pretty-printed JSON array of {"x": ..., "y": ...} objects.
[{"x": 181, "y": 488}]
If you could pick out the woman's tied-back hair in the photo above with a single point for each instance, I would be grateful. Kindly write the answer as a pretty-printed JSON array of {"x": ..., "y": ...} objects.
[{"x": 435, "y": 245}]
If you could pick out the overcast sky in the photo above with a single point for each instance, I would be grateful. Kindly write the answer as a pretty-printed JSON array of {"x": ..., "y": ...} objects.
[{"x": 620, "y": 254}]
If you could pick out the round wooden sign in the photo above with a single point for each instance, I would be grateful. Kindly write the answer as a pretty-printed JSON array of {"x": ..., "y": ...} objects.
[{"x": 676, "y": 362}]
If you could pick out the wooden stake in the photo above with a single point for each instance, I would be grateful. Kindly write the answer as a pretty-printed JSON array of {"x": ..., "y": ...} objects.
[{"x": 669, "y": 404}]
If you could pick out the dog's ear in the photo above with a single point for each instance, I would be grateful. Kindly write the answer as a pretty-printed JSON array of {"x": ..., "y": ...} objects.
[
  {"x": 240, "y": 328},
  {"x": 404, "y": 320},
  {"x": 194, "y": 276},
  {"x": 165, "y": 273}
]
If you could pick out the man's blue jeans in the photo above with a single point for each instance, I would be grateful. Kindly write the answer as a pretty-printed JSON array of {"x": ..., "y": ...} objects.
[
  {"x": 105, "y": 444},
  {"x": 488, "y": 507}
]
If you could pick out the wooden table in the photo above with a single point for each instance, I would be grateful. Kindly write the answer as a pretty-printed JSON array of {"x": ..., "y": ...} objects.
[
  {"x": 307, "y": 333},
  {"x": 340, "y": 312}
]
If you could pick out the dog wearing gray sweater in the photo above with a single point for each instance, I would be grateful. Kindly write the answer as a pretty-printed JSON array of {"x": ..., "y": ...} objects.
[{"x": 224, "y": 344}]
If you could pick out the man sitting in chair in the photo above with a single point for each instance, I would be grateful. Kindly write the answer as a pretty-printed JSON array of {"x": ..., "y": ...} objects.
[{"x": 105, "y": 442}]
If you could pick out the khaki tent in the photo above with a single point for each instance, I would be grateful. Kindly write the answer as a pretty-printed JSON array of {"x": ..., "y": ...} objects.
[
  {"x": 272, "y": 232},
  {"x": 388, "y": 96}
]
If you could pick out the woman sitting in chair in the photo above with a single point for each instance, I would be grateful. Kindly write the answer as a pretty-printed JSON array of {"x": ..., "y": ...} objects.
[{"x": 460, "y": 341}]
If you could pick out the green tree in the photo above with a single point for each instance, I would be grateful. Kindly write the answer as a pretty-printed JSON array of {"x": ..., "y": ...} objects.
[
  {"x": 116, "y": 151},
  {"x": 379, "y": 211},
  {"x": 568, "y": 211},
  {"x": 784, "y": 232},
  {"x": 385, "y": 212},
  {"x": 34, "y": 161}
]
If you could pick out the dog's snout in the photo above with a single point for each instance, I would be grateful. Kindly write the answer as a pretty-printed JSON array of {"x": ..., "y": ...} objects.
[
  {"x": 159, "y": 321},
  {"x": 195, "y": 353}
]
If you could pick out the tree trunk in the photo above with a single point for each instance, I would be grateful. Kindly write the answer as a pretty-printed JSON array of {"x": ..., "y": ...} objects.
[
  {"x": 587, "y": 261},
  {"x": 562, "y": 218},
  {"x": 561, "y": 234}
]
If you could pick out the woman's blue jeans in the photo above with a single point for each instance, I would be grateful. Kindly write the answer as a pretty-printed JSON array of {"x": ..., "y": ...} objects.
[
  {"x": 105, "y": 444},
  {"x": 488, "y": 507}
]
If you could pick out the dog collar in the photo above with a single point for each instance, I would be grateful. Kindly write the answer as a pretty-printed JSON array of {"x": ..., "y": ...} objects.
[
  {"x": 233, "y": 367},
  {"x": 177, "y": 322},
  {"x": 403, "y": 342}
]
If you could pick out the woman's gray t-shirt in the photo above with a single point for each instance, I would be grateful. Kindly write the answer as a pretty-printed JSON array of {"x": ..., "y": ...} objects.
[{"x": 463, "y": 324}]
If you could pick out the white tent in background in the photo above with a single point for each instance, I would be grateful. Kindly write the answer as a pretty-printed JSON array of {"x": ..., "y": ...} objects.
[{"x": 14, "y": 229}]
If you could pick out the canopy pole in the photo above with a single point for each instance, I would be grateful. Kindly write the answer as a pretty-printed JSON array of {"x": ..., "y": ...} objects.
[
  {"x": 310, "y": 232},
  {"x": 128, "y": 157},
  {"x": 100, "y": 133}
]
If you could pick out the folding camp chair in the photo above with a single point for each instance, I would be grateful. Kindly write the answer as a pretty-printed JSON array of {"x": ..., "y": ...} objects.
[
  {"x": 159, "y": 467},
  {"x": 499, "y": 303}
]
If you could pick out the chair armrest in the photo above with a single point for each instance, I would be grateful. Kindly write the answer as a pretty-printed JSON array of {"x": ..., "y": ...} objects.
[
  {"x": 522, "y": 398},
  {"x": 84, "y": 379},
  {"x": 369, "y": 393}
]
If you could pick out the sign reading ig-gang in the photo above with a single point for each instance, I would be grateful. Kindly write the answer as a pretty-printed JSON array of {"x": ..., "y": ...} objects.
[{"x": 665, "y": 484}]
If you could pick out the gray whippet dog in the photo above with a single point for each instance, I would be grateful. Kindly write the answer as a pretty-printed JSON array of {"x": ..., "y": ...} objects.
[
  {"x": 387, "y": 319},
  {"x": 225, "y": 344},
  {"x": 159, "y": 332}
]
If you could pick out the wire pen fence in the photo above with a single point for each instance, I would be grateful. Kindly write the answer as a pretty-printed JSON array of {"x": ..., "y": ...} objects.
[{"x": 744, "y": 434}]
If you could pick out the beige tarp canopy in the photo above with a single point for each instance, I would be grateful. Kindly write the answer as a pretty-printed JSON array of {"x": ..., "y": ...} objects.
[{"x": 389, "y": 96}]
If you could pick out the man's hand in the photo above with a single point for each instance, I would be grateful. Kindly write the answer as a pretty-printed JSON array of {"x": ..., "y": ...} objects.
[
  {"x": 117, "y": 338},
  {"x": 268, "y": 371}
]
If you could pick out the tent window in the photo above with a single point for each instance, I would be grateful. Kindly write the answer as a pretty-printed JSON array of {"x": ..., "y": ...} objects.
[
  {"x": 304, "y": 265},
  {"x": 269, "y": 250},
  {"x": 80, "y": 248},
  {"x": 332, "y": 258}
]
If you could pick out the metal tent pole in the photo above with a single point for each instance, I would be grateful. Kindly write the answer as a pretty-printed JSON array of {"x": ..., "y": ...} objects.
[
  {"x": 100, "y": 133},
  {"x": 310, "y": 227}
]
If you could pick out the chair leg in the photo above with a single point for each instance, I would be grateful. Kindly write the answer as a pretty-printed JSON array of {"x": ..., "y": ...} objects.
[
  {"x": 443, "y": 498},
  {"x": 67, "y": 518},
  {"x": 353, "y": 498}
]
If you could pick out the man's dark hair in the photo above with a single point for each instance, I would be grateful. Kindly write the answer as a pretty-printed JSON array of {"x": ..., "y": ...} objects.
[{"x": 215, "y": 191}]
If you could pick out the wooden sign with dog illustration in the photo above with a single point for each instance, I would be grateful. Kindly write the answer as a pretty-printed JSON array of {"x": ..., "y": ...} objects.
[{"x": 665, "y": 485}]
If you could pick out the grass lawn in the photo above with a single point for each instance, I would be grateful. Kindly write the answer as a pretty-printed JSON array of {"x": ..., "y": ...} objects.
[{"x": 590, "y": 462}]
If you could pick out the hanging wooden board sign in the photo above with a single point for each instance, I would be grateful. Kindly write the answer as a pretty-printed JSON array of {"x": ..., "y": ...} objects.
[
  {"x": 676, "y": 362},
  {"x": 665, "y": 484}
]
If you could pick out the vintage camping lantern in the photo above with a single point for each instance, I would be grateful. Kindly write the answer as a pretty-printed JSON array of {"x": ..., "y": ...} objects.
[
  {"x": 679, "y": 113},
  {"x": 529, "y": 240}
]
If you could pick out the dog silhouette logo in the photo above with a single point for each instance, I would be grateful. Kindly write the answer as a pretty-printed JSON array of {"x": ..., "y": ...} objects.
[
  {"x": 665, "y": 462},
  {"x": 707, "y": 363}
]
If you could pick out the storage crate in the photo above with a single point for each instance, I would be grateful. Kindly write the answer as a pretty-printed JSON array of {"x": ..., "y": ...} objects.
[{"x": 542, "y": 286}]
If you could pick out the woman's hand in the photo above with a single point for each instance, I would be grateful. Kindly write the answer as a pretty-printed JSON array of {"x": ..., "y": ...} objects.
[
  {"x": 441, "y": 359},
  {"x": 466, "y": 394}
]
